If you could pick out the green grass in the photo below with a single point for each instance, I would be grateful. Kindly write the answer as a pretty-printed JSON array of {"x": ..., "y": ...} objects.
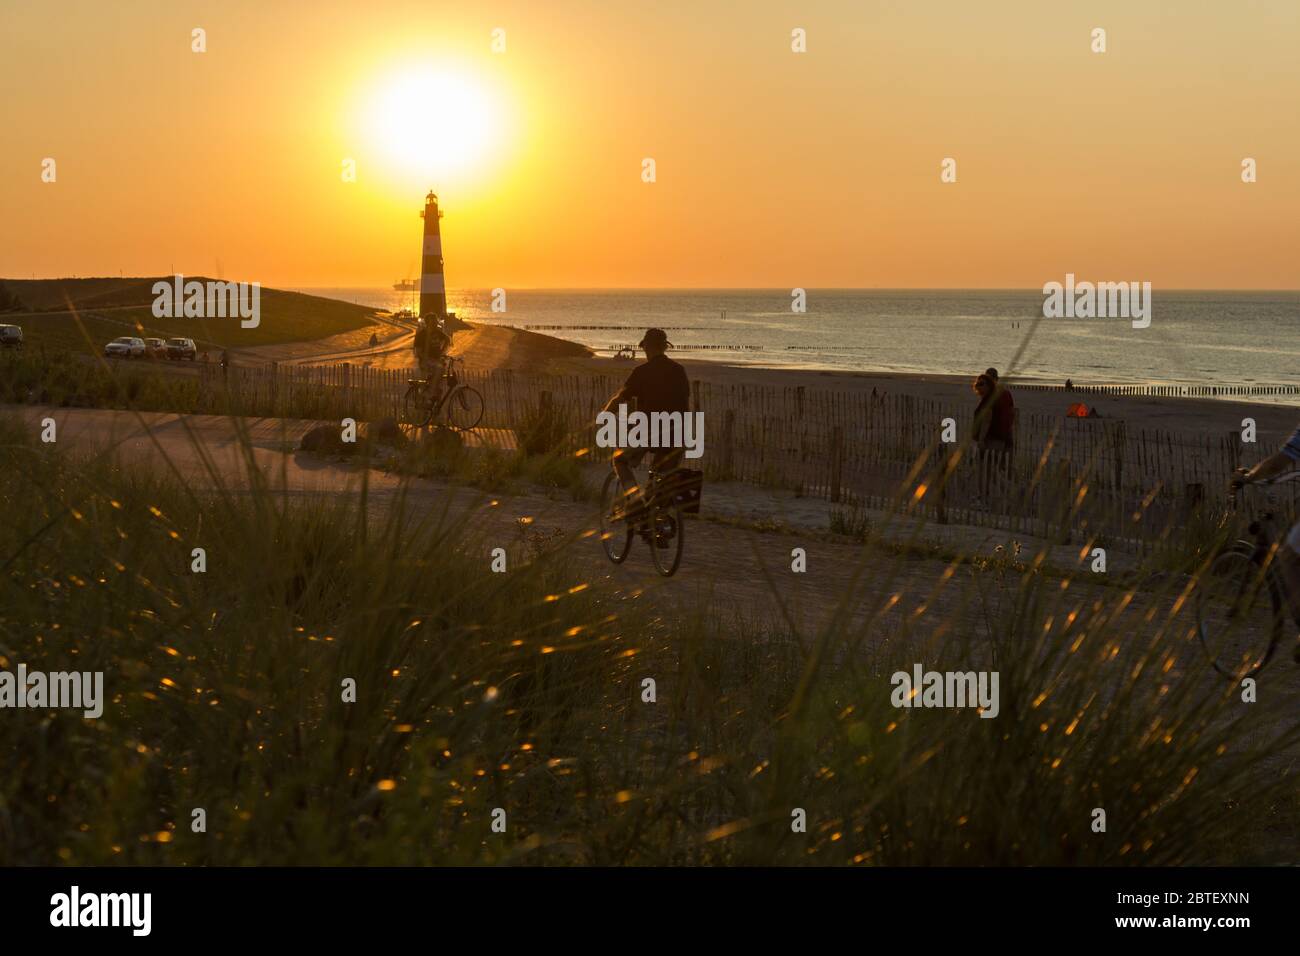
[
  {"x": 31, "y": 376},
  {"x": 523, "y": 691},
  {"x": 83, "y": 314}
]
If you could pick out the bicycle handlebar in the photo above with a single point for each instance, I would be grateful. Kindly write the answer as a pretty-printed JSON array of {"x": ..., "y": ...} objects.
[
  {"x": 1282, "y": 479},
  {"x": 1237, "y": 484}
]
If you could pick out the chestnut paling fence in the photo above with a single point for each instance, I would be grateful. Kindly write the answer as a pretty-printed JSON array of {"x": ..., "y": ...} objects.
[{"x": 1070, "y": 478}]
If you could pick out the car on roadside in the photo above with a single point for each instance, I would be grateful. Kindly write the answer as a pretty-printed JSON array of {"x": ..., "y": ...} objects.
[
  {"x": 180, "y": 349},
  {"x": 155, "y": 348},
  {"x": 11, "y": 336},
  {"x": 125, "y": 346}
]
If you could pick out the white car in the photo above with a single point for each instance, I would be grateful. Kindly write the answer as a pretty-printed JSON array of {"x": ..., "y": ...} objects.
[{"x": 125, "y": 347}]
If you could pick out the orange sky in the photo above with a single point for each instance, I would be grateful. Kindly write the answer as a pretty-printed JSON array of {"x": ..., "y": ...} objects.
[{"x": 775, "y": 169}]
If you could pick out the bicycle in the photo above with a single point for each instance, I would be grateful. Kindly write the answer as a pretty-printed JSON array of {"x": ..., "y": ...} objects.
[
  {"x": 658, "y": 518},
  {"x": 461, "y": 405},
  {"x": 1240, "y": 606}
]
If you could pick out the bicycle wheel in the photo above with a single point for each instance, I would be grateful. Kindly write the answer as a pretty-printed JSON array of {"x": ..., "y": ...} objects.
[
  {"x": 416, "y": 409},
  {"x": 615, "y": 531},
  {"x": 464, "y": 408},
  {"x": 667, "y": 538},
  {"x": 1239, "y": 613}
]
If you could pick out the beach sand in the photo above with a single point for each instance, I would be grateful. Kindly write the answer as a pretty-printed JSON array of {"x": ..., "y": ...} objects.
[
  {"x": 1202, "y": 415},
  {"x": 485, "y": 347}
]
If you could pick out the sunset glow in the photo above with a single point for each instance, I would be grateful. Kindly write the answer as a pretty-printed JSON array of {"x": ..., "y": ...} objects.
[{"x": 775, "y": 169}]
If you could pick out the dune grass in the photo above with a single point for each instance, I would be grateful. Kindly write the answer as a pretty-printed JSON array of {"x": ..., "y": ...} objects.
[
  {"x": 68, "y": 380},
  {"x": 524, "y": 691}
]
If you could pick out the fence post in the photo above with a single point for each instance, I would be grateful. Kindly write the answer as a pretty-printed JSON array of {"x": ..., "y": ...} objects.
[
  {"x": 1065, "y": 502},
  {"x": 1234, "y": 451},
  {"x": 942, "y": 471},
  {"x": 728, "y": 436},
  {"x": 1120, "y": 440},
  {"x": 837, "y": 460},
  {"x": 1193, "y": 498}
]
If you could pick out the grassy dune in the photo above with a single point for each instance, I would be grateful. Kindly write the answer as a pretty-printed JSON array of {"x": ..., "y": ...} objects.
[
  {"x": 83, "y": 314},
  {"x": 66, "y": 379},
  {"x": 525, "y": 691}
]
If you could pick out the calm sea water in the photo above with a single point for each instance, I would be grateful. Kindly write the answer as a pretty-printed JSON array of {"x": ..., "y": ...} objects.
[{"x": 1194, "y": 337}]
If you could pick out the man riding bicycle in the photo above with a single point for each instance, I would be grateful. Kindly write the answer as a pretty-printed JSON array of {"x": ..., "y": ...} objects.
[
  {"x": 659, "y": 385},
  {"x": 431, "y": 345},
  {"x": 1288, "y": 554}
]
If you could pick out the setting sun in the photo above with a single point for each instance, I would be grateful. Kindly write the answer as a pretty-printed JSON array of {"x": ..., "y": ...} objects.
[{"x": 431, "y": 122}]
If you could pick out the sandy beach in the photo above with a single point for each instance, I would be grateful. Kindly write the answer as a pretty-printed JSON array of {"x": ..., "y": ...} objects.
[
  {"x": 489, "y": 347},
  {"x": 486, "y": 347}
]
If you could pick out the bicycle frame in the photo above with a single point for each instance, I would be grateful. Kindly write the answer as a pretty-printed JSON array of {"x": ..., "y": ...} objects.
[
  {"x": 655, "y": 517},
  {"x": 449, "y": 382},
  {"x": 1258, "y": 580},
  {"x": 1264, "y": 541},
  {"x": 651, "y": 488},
  {"x": 1262, "y": 529}
]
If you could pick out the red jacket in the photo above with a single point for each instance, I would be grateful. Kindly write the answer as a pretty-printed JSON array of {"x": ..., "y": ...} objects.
[{"x": 1003, "y": 425}]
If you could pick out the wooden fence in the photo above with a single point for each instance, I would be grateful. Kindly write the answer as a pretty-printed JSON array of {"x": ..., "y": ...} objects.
[
  {"x": 1069, "y": 478},
  {"x": 1166, "y": 391}
]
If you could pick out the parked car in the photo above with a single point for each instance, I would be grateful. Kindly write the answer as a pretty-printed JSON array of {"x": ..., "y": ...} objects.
[
  {"x": 11, "y": 336},
  {"x": 125, "y": 346},
  {"x": 155, "y": 348},
  {"x": 182, "y": 349}
]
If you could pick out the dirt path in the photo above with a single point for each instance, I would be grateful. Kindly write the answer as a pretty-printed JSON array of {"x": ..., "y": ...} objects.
[
  {"x": 726, "y": 567},
  {"x": 899, "y": 607}
]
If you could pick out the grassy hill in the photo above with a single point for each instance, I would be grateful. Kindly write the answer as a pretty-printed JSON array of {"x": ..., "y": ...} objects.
[{"x": 83, "y": 314}]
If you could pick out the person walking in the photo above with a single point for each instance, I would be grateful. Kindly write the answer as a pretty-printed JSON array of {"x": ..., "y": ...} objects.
[
  {"x": 1004, "y": 416},
  {"x": 992, "y": 432}
]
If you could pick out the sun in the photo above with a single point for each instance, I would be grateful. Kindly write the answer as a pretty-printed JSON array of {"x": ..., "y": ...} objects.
[{"x": 434, "y": 123}]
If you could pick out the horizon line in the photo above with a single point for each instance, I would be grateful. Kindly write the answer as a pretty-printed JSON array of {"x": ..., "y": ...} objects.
[{"x": 645, "y": 288}]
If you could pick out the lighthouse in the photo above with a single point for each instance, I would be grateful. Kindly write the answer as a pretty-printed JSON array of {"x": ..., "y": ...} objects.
[{"x": 433, "y": 290}]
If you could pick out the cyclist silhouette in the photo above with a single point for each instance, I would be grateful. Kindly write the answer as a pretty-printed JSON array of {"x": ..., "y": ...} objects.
[{"x": 1288, "y": 555}]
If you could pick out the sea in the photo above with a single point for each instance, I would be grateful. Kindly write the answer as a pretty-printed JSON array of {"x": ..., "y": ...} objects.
[{"x": 1194, "y": 338}]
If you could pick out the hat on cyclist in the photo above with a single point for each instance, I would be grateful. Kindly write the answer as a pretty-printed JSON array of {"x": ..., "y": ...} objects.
[{"x": 655, "y": 337}]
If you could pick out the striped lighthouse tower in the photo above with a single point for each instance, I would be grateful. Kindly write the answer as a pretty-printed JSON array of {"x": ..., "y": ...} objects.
[{"x": 433, "y": 290}]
